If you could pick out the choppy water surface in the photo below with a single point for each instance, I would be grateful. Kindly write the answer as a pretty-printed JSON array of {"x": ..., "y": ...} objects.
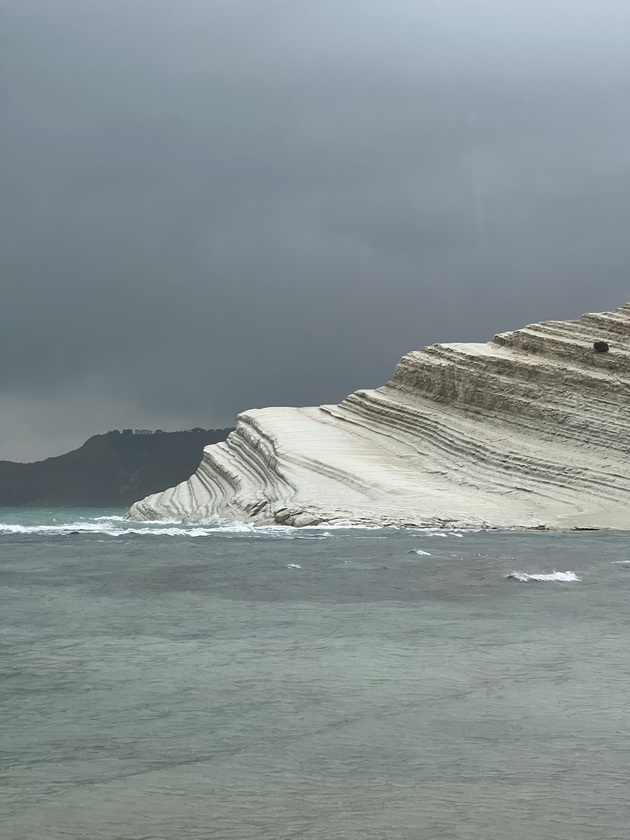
[{"x": 188, "y": 682}]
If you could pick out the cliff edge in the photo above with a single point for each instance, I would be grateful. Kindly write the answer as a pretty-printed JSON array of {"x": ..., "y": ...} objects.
[{"x": 530, "y": 430}]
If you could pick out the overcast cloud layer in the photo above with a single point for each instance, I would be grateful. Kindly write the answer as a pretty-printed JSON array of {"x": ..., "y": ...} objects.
[{"x": 212, "y": 205}]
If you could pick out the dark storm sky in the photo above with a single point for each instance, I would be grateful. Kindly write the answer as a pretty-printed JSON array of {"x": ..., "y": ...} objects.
[{"x": 212, "y": 205}]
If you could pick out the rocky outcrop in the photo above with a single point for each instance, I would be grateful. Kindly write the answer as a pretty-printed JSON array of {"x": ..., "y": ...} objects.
[{"x": 528, "y": 430}]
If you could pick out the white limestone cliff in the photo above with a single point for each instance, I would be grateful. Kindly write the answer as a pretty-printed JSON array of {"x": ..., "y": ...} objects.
[{"x": 530, "y": 430}]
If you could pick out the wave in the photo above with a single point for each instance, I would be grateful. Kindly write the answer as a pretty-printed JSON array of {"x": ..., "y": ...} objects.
[
  {"x": 562, "y": 577},
  {"x": 114, "y": 525},
  {"x": 446, "y": 532},
  {"x": 89, "y": 528},
  {"x": 117, "y": 526},
  {"x": 336, "y": 525},
  {"x": 419, "y": 551}
]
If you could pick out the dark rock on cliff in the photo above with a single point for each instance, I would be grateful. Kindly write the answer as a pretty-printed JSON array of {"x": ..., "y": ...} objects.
[{"x": 111, "y": 470}]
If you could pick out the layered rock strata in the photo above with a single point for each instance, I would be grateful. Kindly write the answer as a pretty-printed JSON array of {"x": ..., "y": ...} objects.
[{"x": 530, "y": 430}]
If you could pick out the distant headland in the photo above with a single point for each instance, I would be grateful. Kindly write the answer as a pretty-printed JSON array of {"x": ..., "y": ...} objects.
[{"x": 110, "y": 470}]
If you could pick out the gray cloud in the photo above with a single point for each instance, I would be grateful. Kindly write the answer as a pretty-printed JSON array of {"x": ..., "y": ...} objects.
[{"x": 214, "y": 206}]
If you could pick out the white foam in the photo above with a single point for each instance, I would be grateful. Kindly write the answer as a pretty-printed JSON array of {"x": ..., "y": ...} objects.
[
  {"x": 110, "y": 530},
  {"x": 620, "y": 562},
  {"x": 420, "y": 551},
  {"x": 562, "y": 577},
  {"x": 341, "y": 525},
  {"x": 74, "y": 527},
  {"x": 293, "y": 566},
  {"x": 114, "y": 527}
]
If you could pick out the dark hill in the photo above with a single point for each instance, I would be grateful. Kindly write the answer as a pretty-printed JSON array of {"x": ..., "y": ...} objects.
[{"x": 111, "y": 470}]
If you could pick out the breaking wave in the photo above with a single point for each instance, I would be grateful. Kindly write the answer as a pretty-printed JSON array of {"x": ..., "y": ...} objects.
[
  {"x": 115, "y": 527},
  {"x": 562, "y": 577},
  {"x": 109, "y": 519},
  {"x": 101, "y": 528},
  {"x": 446, "y": 532}
]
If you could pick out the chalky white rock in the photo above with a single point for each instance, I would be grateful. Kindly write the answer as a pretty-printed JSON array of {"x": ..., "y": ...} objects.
[{"x": 530, "y": 430}]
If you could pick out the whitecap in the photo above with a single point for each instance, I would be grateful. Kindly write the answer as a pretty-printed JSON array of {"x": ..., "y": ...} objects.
[
  {"x": 419, "y": 551},
  {"x": 343, "y": 525},
  {"x": 562, "y": 577},
  {"x": 293, "y": 566},
  {"x": 109, "y": 530},
  {"x": 116, "y": 526},
  {"x": 109, "y": 519},
  {"x": 447, "y": 532},
  {"x": 73, "y": 527}
]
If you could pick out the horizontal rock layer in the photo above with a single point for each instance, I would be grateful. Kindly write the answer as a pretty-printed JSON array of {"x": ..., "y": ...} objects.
[{"x": 528, "y": 430}]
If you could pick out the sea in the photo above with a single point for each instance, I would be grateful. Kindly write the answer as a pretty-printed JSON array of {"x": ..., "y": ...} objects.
[{"x": 194, "y": 682}]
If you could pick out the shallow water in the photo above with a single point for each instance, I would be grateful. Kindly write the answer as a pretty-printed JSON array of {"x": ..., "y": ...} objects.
[{"x": 195, "y": 682}]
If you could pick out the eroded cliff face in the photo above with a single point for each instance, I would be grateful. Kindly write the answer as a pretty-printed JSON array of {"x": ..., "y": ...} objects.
[{"x": 528, "y": 430}]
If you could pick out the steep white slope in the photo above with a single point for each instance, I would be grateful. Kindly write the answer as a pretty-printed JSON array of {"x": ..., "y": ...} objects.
[{"x": 529, "y": 430}]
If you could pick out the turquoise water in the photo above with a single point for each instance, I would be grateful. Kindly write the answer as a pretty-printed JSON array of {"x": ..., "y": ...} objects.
[{"x": 171, "y": 681}]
